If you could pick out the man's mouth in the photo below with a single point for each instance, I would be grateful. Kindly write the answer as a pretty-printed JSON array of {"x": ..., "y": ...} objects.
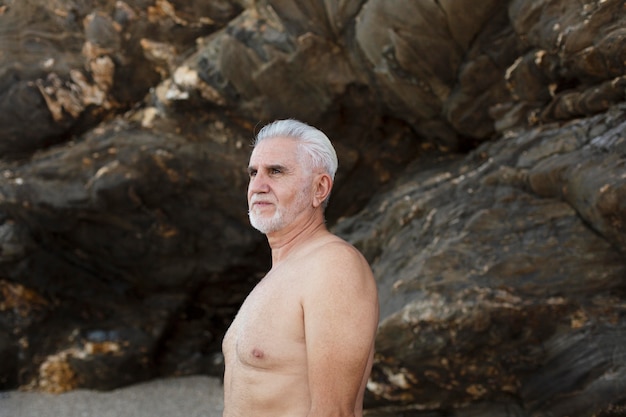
[{"x": 260, "y": 203}]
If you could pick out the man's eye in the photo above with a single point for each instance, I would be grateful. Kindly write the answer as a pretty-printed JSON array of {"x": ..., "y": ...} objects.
[
  {"x": 252, "y": 173},
  {"x": 275, "y": 171}
]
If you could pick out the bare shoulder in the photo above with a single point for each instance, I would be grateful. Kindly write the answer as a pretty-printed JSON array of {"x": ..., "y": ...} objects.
[
  {"x": 336, "y": 247},
  {"x": 333, "y": 249},
  {"x": 335, "y": 263}
]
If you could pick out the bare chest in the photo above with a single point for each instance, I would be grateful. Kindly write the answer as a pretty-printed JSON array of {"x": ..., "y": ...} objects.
[{"x": 268, "y": 331}]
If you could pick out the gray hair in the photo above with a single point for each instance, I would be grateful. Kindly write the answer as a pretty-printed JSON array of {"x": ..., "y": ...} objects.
[{"x": 312, "y": 141}]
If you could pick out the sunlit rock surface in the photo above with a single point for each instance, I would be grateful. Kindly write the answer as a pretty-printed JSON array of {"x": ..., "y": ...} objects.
[{"x": 482, "y": 173}]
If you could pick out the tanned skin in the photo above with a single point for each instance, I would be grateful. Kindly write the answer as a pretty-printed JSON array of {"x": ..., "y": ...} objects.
[{"x": 302, "y": 343}]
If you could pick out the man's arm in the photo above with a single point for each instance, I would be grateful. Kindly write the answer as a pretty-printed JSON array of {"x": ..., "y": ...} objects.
[{"x": 340, "y": 319}]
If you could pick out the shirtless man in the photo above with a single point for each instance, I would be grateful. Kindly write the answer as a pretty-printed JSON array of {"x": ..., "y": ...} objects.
[{"x": 303, "y": 341}]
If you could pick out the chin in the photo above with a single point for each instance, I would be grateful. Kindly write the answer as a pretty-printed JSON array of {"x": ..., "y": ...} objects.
[{"x": 265, "y": 225}]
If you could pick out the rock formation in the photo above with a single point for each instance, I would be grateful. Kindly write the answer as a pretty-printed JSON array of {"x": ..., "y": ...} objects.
[{"x": 482, "y": 173}]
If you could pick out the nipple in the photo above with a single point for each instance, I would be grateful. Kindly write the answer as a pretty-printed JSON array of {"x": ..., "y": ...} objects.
[{"x": 257, "y": 353}]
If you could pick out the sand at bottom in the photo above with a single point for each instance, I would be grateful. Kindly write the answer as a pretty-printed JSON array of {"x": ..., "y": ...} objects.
[{"x": 194, "y": 396}]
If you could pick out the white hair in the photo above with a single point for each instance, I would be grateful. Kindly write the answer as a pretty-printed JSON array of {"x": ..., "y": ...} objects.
[{"x": 311, "y": 140}]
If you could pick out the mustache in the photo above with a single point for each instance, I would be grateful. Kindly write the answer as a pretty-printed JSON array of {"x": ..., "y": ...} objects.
[{"x": 256, "y": 198}]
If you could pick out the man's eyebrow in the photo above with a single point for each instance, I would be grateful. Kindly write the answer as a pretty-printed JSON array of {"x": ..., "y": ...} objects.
[{"x": 279, "y": 167}]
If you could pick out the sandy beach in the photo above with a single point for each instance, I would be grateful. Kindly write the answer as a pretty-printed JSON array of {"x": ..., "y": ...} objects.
[{"x": 194, "y": 396}]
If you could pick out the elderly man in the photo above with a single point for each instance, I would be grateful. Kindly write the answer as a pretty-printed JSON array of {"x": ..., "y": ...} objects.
[{"x": 303, "y": 341}]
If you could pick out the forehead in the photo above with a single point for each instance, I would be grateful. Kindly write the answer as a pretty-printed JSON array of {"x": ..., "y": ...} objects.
[{"x": 280, "y": 149}]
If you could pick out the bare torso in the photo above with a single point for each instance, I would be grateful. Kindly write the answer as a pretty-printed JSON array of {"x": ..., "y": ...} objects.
[{"x": 265, "y": 349}]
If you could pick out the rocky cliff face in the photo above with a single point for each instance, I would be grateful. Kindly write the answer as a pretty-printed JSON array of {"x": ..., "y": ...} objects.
[{"x": 482, "y": 173}]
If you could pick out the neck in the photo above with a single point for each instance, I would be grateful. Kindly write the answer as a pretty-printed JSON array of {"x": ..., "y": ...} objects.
[{"x": 284, "y": 243}]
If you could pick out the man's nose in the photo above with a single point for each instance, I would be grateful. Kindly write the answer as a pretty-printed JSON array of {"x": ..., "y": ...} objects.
[{"x": 258, "y": 183}]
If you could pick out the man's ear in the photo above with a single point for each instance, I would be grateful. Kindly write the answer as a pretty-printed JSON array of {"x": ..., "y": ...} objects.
[{"x": 323, "y": 185}]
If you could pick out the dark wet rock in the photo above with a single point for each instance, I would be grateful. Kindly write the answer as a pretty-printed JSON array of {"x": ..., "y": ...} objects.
[{"x": 497, "y": 281}]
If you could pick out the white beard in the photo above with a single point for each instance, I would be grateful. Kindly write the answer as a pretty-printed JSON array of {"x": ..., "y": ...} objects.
[
  {"x": 281, "y": 217},
  {"x": 264, "y": 225}
]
